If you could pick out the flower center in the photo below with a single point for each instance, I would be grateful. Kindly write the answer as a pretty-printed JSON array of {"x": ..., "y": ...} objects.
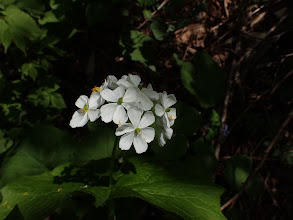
[
  {"x": 120, "y": 101},
  {"x": 96, "y": 89},
  {"x": 167, "y": 110},
  {"x": 140, "y": 86},
  {"x": 137, "y": 130},
  {"x": 85, "y": 108}
]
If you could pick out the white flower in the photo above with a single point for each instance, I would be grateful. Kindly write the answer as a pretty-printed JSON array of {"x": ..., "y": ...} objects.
[
  {"x": 163, "y": 109},
  {"x": 164, "y": 132},
  {"x": 146, "y": 97},
  {"x": 110, "y": 82},
  {"x": 88, "y": 111},
  {"x": 128, "y": 81},
  {"x": 119, "y": 99},
  {"x": 137, "y": 132}
]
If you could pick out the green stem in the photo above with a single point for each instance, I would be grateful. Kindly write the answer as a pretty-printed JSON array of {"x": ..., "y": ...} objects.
[{"x": 112, "y": 166}]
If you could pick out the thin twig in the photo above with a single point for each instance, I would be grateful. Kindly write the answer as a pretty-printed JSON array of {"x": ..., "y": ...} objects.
[
  {"x": 153, "y": 13},
  {"x": 259, "y": 166}
]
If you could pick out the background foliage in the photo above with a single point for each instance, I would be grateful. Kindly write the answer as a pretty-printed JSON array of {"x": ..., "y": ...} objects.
[{"x": 229, "y": 65}]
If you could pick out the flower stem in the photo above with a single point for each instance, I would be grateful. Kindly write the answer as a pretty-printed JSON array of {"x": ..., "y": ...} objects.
[{"x": 112, "y": 166}]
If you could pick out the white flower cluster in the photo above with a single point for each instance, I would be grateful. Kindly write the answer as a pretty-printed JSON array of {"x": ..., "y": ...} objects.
[{"x": 130, "y": 106}]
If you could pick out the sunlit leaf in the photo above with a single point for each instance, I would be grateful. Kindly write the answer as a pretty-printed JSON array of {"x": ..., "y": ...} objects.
[
  {"x": 38, "y": 196},
  {"x": 189, "y": 194}
]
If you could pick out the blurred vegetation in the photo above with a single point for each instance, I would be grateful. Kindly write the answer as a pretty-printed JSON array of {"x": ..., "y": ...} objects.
[{"x": 229, "y": 63}]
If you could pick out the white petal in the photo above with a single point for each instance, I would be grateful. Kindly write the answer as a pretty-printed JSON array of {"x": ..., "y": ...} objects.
[
  {"x": 150, "y": 93},
  {"x": 131, "y": 95},
  {"x": 171, "y": 100},
  {"x": 159, "y": 110},
  {"x": 162, "y": 140},
  {"x": 76, "y": 118},
  {"x": 172, "y": 114},
  {"x": 148, "y": 134},
  {"x": 107, "y": 112},
  {"x": 94, "y": 114},
  {"x": 83, "y": 120},
  {"x": 109, "y": 95},
  {"x": 81, "y": 101},
  {"x": 134, "y": 114},
  {"x": 147, "y": 104},
  {"x": 126, "y": 141},
  {"x": 166, "y": 121},
  {"x": 140, "y": 144},
  {"x": 163, "y": 98},
  {"x": 120, "y": 116},
  {"x": 126, "y": 128},
  {"x": 119, "y": 91},
  {"x": 94, "y": 100},
  {"x": 168, "y": 133},
  {"x": 124, "y": 82},
  {"x": 134, "y": 79},
  {"x": 132, "y": 104},
  {"x": 112, "y": 82},
  {"x": 147, "y": 119}
]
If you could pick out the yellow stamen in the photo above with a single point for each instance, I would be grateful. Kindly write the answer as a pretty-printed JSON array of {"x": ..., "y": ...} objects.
[
  {"x": 96, "y": 89},
  {"x": 83, "y": 111},
  {"x": 8, "y": 206},
  {"x": 4, "y": 203},
  {"x": 26, "y": 194},
  {"x": 59, "y": 189},
  {"x": 171, "y": 117},
  {"x": 119, "y": 122}
]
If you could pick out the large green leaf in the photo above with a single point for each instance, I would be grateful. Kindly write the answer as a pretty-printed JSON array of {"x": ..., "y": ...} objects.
[
  {"x": 20, "y": 164},
  {"x": 5, "y": 34},
  {"x": 21, "y": 23},
  {"x": 204, "y": 79},
  {"x": 182, "y": 189},
  {"x": 38, "y": 196}
]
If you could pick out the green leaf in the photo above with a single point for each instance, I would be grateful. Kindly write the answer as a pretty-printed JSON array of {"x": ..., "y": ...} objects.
[
  {"x": 187, "y": 77},
  {"x": 49, "y": 17},
  {"x": 159, "y": 29},
  {"x": 57, "y": 101},
  {"x": 137, "y": 56},
  {"x": 177, "y": 188},
  {"x": 19, "y": 42},
  {"x": 5, "y": 35},
  {"x": 38, "y": 196},
  {"x": 215, "y": 118},
  {"x": 29, "y": 69},
  {"x": 98, "y": 144},
  {"x": 204, "y": 79},
  {"x": 147, "y": 14},
  {"x": 7, "y": 2},
  {"x": 178, "y": 60},
  {"x": 34, "y": 7},
  {"x": 139, "y": 38},
  {"x": 48, "y": 145},
  {"x": 21, "y": 23},
  {"x": 18, "y": 165}
]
